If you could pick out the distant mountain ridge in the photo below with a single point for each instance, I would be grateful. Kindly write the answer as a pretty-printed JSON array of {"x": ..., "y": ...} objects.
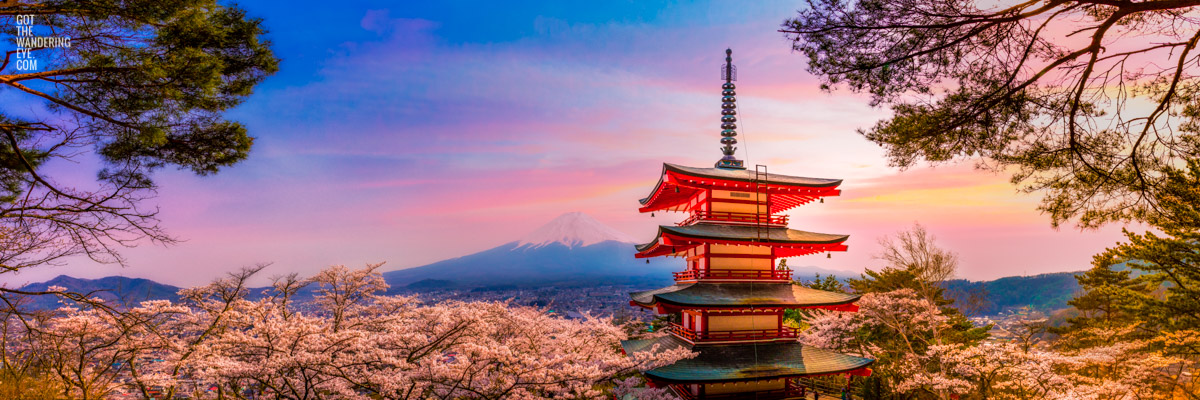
[
  {"x": 1045, "y": 292},
  {"x": 517, "y": 265},
  {"x": 575, "y": 250},
  {"x": 808, "y": 273},
  {"x": 112, "y": 289}
]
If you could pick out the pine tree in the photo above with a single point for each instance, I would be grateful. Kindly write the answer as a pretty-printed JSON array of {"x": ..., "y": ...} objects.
[
  {"x": 143, "y": 85},
  {"x": 915, "y": 272},
  {"x": 1161, "y": 306},
  {"x": 890, "y": 279},
  {"x": 1170, "y": 301},
  {"x": 1110, "y": 302}
]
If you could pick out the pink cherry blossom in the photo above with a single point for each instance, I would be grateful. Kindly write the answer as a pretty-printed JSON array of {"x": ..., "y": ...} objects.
[{"x": 350, "y": 342}]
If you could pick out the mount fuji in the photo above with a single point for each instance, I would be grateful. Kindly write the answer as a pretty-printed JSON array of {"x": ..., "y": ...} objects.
[
  {"x": 574, "y": 229},
  {"x": 572, "y": 250}
]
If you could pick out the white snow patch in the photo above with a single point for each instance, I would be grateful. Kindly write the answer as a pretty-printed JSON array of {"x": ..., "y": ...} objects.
[{"x": 573, "y": 229}]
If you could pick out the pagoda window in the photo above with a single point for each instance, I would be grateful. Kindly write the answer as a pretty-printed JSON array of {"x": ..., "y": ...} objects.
[
  {"x": 729, "y": 206},
  {"x": 729, "y": 257},
  {"x": 740, "y": 263},
  {"x": 729, "y": 194},
  {"x": 733, "y": 249},
  {"x": 737, "y": 197},
  {"x": 729, "y": 323}
]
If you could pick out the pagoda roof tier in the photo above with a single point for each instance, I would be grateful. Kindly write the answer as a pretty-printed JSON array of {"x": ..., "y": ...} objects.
[
  {"x": 711, "y": 295},
  {"x": 679, "y": 184},
  {"x": 741, "y": 362},
  {"x": 787, "y": 242}
]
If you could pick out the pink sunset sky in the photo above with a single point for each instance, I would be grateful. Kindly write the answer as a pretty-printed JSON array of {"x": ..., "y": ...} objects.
[{"x": 415, "y": 134}]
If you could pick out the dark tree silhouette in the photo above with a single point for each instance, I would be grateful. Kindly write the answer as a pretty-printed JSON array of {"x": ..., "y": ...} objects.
[
  {"x": 1088, "y": 102},
  {"x": 141, "y": 86}
]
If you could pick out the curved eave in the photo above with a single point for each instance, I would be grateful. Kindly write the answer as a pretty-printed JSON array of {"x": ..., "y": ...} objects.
[
  {"x": 864, "y": 370},
  {"x": 657, "y": 188},
  {"x": 734, "y": 363},
  {"x": 669, "y": 197},
  {"x": 660, "y": 376},
  {"x": 678, "y": 184},
  {"x": 747, "y": 176},
  {"x": 672, "y": 306},
  {"x": 787, "y": 242},
  {"x": 741, "y": 295}
]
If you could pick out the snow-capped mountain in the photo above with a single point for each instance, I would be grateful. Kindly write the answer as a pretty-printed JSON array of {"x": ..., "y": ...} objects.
[
  {"x": 572, "y": 249},
  {"x": 574, "y": 229}
]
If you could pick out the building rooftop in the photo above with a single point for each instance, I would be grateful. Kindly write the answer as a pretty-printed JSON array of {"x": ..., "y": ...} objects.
[
  {"x": 726, "y": 363},
  {"x": 742, "y": 294},
  {"x": 741, "y": 175},
  {"x": 679, "y": 183},
  {"x": 682, "y": 238}
]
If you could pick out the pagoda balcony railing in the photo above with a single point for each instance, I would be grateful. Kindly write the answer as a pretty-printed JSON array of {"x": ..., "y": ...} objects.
[
  {"x": 775, "y": 274},
  {"x": 785, "y": 393},
  {"x": 734, "y": 217},
  {"x": 722, "y": 336}
]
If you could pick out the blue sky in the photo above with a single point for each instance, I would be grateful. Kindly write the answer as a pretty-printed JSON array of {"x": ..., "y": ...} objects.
[{"x": 415, "y": 132}]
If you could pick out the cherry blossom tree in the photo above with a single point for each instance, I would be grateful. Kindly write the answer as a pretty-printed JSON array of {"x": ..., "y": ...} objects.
[
  {"x": 995, "y": 370},
  {"x": 634, "y": 388},
  {"x": 926, "y": 366},
  {"x": 349, "y": 342},
  {"x": 895, "y": 328},
  {"x": 82, "y": 350},
  {"x": 1120, "y": 371}
]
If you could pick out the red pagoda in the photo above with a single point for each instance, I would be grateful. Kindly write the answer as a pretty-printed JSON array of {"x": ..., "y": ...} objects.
[{"x": 729, "y": 300}]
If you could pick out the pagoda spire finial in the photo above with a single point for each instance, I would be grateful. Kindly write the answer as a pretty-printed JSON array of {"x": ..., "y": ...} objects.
[{"x": 728, "y": 115}]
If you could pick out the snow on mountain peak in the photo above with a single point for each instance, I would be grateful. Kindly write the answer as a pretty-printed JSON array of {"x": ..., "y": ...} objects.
[{"x": 573, "y": 229}]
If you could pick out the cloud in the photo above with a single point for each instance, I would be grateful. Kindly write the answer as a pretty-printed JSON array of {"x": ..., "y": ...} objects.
[{"x": 417, "y": 136}]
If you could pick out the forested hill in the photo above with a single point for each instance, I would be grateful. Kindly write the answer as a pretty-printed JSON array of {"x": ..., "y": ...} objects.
[
  {"x": 115, "y": 290},
  {"x": 1045, "y": 292}
]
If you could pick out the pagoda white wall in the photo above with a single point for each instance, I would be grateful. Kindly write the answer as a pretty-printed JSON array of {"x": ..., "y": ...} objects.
[
  {"x": 698, "y": 201},
  {"x": 695, "y": 258}
]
